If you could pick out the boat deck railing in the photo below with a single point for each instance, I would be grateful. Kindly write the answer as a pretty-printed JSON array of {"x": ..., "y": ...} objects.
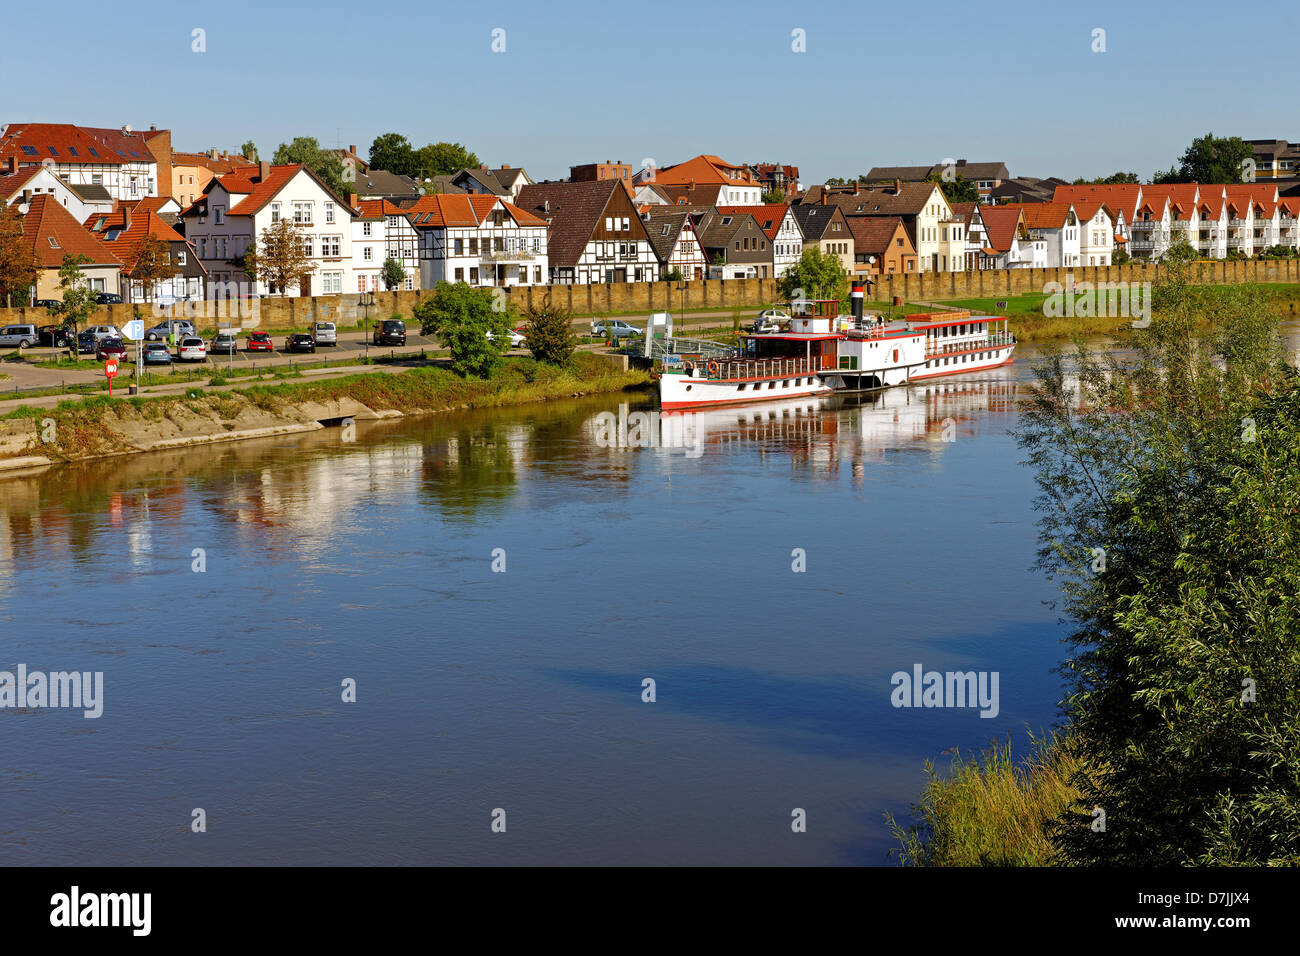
[
  {"x": 992, "y": 341},
  {"x": 737, "y": 369}
]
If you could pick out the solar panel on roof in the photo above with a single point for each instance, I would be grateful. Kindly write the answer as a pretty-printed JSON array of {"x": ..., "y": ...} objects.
[
  {"x": 73, "y": 151},
  {"x": 53, "y": 151},
  {"x": 93, "y": 152},
  {"x": 29, "y": 150}
]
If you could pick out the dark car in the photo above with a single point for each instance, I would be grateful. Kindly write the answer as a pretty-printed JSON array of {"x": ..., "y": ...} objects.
[
  {"x": 390, "y": 332},
  {"x": 300, "y": 342},
  {"x": 58, "y": 336},
  {"x": 47, "y": 303},
  {"x": 108, "y": 298},
  {"x": 110, "y": 348},
  {"x": 86, "y": 342}
]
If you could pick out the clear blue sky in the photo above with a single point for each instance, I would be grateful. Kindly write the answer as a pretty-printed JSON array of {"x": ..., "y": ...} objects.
[{"x": 588, "y": 81}]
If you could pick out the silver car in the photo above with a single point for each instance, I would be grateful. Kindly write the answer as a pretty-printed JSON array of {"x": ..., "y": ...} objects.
[
  {"x": 615, "y": 329},
  {"x": 324, "y": 333}
]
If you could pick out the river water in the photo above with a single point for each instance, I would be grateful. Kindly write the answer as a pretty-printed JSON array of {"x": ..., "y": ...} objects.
[{"x": 499, "y": 585}]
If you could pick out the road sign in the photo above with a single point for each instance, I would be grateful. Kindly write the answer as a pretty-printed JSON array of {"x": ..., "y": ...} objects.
[{"x": 134, "y": 329}]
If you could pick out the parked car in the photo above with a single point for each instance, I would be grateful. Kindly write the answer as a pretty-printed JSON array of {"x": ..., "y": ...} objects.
[
  {"x": 390, "y": 332},
  {"x": 615, "y": 329},
  {"x": 18, "y": 336},
  {"x": 108, "y": 298},
  {"x": 325, "y": 333},
  {"x": 225, "y": 343},
  {"x": 260, "y": 342},
  {"x": 110, "y": 349},
  {"x": 156, "y": 353},
  {"x": 58, "y": 336},
  {"x": 300, "y": 342},
  {"x": 47, "y": 303},
  {"x": 162, "y": 330},
  {"x": 105, "y": 331},
  {"x": 516, "y": 338},
  {"x": 192, "y": 349},
  {"x": 86, "y": 342}
]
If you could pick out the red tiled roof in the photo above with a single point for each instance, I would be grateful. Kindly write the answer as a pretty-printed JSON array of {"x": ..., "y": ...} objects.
[
  {"x": 1041, "y": 215},
  {"x": 228, "y": 164},
  {"x": 703, "y": 170},
  {"x": 769, "y": 215},
  {"x": 263, "y": 190},
  {"x": 1000, "y": 226},
  {"x": 464, "y": 210},
  {"x": 46, "y": 219},
  {"x": 11, "y": 185},
  {"x": 128, "y": 244},
  {"x": 379, "y": 208},
  {"x": 63, "y": 143},
  {"x": 1122, "y": 197}
]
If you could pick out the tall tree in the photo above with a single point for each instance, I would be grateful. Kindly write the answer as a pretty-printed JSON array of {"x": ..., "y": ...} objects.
[
  {"x": 1213, "y": 159},
  {"x": 959, "y": 189},
  {"x": 461, "y": 316},
  {"x": 393, "y": 153},
  {"x": 443, "y": 159},
  {"x": 79, "y": 301},
  {"x": 154, "y": 265},
  {"x": 817, "y": 275},
  {"x": 17, "y": 257},
  {"x": 280, "y": 259},
  {"x": 325, "y": 163},
  {"x": 392, "y": 273}
]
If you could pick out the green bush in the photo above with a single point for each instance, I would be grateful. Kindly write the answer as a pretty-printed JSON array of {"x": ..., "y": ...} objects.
[{"x": 550, "y": 336}]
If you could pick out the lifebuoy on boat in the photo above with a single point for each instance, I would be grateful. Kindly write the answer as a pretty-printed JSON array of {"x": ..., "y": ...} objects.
[{"x": 713, "y": 368}]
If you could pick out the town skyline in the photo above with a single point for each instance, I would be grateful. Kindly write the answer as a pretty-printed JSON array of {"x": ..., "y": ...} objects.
[{"x": 1034, "y": 95}]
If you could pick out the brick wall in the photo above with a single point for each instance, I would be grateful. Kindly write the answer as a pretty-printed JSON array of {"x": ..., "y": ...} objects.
[{"x": 719, "y": 294}]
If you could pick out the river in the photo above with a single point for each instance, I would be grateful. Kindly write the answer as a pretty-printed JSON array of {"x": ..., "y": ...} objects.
[{"x": 499, "y": 585}]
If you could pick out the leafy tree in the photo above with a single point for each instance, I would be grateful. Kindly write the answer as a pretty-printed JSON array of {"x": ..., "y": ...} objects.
[
  {"x": 1166, "y": 178},
  {"x": 443, "y": 159},
  {"x": 280, "y": 259},
  {"x": 817, "y": 275},
  {"x": 674, "y": 275},
  {"x": 461, "y": 316},
  {"x": 1121, "y": 257},
  {"x": 1180, "y": 251},
  {"x": 18, "y": 267},
  {"x": 1114, "y": 179},
  {"x": 325, "y": 163},
  {"x": 550, "y": 336},
  {"x": 959, "y": 189},
  {"x": 774, "y": 196},
  {"x": 393, "y": 153},
  {"x": 249, "y": 151},
  {"x": 154, "y": 265},
  {"x": 78, "y": 300},
  {"x": 392, "y": 273},
  {"x": 1212, "y": 159},
  {"x": 1169, "y": 474}
]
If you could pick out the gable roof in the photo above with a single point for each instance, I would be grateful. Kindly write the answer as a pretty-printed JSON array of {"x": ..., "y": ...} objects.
[
  {"x": 463, "y": 210},
  {"x": 769, "y": 215},
  {"x": 1042, "y": 215},
  {"x": 575, "y": 209},
  {"x": 1121, "y": 197},
  {"x": 128, "y": 244},
  {"x": 47, "y": 220},
  {"x": 705, "y": 169},
  {"x": 814, "y": 221},
  {"x": 65, "y": 143},
  {"x": 873, "y": 235},
  {"x": 909, "y": 200},
  {"x": 379, "y": 183},
  {"x": 13, "y": 184},
  {"x": 1001, "y": 226},
  {"x": 656, "y": 218}
]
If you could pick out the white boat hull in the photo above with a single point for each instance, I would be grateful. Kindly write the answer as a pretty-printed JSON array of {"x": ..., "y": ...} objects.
[{"x": 685, "y": 391}]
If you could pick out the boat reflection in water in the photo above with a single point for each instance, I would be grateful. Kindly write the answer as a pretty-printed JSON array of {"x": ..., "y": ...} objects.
[{"x": 822, "y": 431}]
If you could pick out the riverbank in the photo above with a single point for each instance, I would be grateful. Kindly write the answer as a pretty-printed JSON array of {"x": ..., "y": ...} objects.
[{"x": 101, "y": 427}]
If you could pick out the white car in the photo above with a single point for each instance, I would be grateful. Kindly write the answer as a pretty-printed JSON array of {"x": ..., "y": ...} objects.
[
  {"x": 324, "y": 333},
  {"x": 18, "y": 336},
  {"x": 192, "y": 349},
  {"x": 517, "y": 338}
]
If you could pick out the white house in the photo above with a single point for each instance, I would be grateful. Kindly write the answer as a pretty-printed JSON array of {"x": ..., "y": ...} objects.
[
  {"x": 20, "y": 184},
  {"x": 479, "y": 239},
  {"x": 1096, "y": 233},
  {"x": 778, "y": 221},
  {"x": 237, "y": 208},
  {"x": 381, "y": 231},
  {"x": 1056, "y": 224}
]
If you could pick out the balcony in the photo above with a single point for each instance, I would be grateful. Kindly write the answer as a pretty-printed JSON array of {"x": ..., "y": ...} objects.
[{"x": 519, "y": 255}]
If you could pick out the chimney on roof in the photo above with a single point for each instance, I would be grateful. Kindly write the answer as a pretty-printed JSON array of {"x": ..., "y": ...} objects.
[
  {"x": 505, "y": 165},
  {"x": 126, "y": 217},
  {"x": 212, "y": 153},
  {"x": 263, "y": 170},
  {"x": 11, "y": 165},
  {"x": 152, "y": 128},
  {"x": 352, "y": 150},
  {"x": 898, "y": 186},
  {"x": 352, "y": 200}
]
